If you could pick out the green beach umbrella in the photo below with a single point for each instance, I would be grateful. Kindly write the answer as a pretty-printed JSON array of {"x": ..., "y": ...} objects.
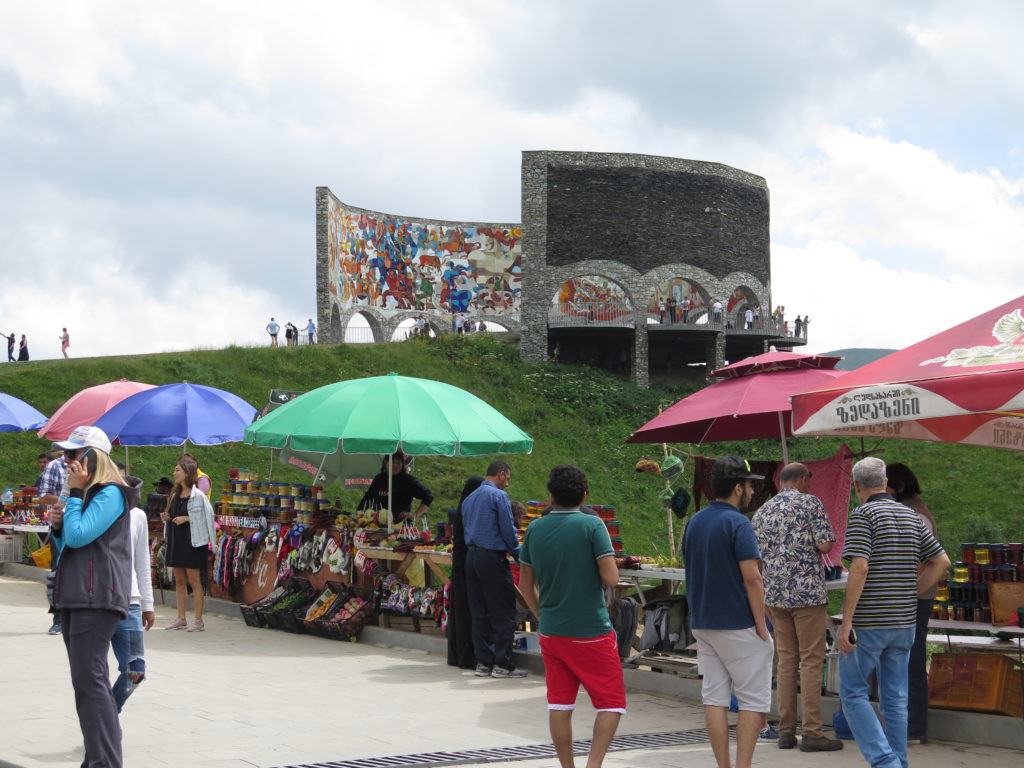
[{"x": 384, "y": 414}]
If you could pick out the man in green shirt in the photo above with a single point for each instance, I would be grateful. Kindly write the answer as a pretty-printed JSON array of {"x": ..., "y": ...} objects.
[{"x": 566, "y": 561}]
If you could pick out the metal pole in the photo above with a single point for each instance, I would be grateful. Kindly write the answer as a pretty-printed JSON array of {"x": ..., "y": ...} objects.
[
  {"x": 782, "y": 434},
  {"x": 390, "y": 460},
  {"x": 127, "y": 465}
]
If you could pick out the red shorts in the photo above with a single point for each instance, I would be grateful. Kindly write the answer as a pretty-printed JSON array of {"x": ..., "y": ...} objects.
[{"x": 592, "y": 661}]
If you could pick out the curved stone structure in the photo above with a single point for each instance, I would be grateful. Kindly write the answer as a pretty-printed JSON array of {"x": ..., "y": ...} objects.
[{"x": 597, "y": 228}]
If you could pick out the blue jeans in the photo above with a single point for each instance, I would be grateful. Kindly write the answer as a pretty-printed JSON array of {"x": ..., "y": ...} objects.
[
  {"x": 886, "y": 652},
  {"x": 130, "y": 652}
]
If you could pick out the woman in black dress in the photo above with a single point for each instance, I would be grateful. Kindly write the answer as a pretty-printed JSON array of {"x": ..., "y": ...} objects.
[
  {"x": 460, "y": 623},
  {"x": 188, "y": 529},
  {"x": 23, "y": 349}
]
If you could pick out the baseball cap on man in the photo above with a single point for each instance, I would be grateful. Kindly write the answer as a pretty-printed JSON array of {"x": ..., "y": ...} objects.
[
  {"x": 733, "y": 468},
  {"x": 86, "y": 437}
]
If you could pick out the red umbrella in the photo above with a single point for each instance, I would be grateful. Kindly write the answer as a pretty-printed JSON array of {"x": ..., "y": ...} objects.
[
  {"x": 964, "y": 385},
  {"x": 775, "y": 361},
  {"x": 742, "y": 408},
  {"x": 87, "y": 406}
]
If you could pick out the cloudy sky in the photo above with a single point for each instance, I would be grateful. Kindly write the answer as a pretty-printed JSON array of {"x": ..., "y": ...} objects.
[{"x": 158, "y": 161}]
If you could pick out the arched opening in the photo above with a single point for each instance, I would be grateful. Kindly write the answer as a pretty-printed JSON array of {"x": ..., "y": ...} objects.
[
  {"x": 411, "y": 327},
  {"x": 743, "y": 310},
  {"x": 361, "y": 329},
  {"x": 677, "y": 301},
  {"x": 590, "y": 300}
]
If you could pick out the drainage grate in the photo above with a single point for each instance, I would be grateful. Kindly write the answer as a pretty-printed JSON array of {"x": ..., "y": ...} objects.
[{"x": 505, "y": 754}]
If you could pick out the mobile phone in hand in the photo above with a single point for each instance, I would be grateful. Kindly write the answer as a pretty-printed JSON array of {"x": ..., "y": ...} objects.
[{"x": 852, "y": 637}]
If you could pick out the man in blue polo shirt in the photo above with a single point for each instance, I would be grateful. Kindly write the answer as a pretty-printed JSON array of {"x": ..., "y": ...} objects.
[
  {"x": 490, "y": 538},
  {"x": 727, "y": 615}
]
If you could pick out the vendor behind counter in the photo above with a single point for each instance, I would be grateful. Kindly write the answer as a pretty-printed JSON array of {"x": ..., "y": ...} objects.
[{"x": 404, "y": 488}]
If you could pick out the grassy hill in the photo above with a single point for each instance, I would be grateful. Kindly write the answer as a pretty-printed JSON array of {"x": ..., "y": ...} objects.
[{"x": 575, "y": 415}]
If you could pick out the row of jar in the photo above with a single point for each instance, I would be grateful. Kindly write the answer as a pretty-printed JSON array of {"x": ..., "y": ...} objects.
[
  {"x": 975, "y": 573},
  {"x": 295, "y": 490},
  {"x": 259, "y": 500},
  {"x": 979, "y": 612},
  {"x": 993, "y": 554}
]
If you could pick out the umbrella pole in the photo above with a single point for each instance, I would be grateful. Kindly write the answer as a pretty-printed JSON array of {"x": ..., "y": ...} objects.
[
  {"x": 668, "y": 512},
  {"x": 270, "y": 473},
  {"x": 390, "y": 459},
  {"x": 782, "y": 435},
  {"x": 127, "y": 466}
]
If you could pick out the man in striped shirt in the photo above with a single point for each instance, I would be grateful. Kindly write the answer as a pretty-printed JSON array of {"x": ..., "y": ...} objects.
[{"x": 885, "y": 543}]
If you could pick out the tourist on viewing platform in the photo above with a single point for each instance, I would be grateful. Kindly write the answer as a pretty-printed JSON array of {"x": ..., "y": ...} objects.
[
  {"x": 797, "y": 326},
  {"x": 785, "y": 328},
  {"x": 291, "y": 334},
  {"x": 566, "y": 563},
  {"x": 662, "y": 309},
  {"x": 311, "y": 330},
  {"x": 672, "y": 304},
  {"x": 757, "y": 316},
  {"x": 685, "y": 306},
  {"x": 716, "y": 312},
  {"x": 748, "y": 318},
  {"x": 806, "y": 322},
  {"x": 272, "y": 329},
  {"x": 727, "y": 612},
  {"x": 885, "y": 543}
]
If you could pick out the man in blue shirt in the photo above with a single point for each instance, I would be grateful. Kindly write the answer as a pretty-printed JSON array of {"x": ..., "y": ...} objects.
[
  {"x": 727, "y": 615},
  {"x": 490, "y": 538}
]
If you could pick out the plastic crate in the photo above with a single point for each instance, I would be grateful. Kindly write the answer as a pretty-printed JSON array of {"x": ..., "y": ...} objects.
[
  {"x": 11, "y": 548},
  {"x": 976, "y": 682}
]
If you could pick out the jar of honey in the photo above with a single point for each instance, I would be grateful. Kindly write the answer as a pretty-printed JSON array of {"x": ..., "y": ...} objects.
[
  {"x": 967, "y": 552},
  {"x": 961, "y": 573},
  {"x": 981, "y": 554},
  {"x": 997, "y": 554}
]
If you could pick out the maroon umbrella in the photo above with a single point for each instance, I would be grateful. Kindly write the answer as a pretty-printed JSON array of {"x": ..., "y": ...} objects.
[{"x": 748, "y": 406}]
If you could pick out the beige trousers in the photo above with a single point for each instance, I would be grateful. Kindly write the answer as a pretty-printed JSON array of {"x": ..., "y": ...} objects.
[{"x": 800, "y": 645}]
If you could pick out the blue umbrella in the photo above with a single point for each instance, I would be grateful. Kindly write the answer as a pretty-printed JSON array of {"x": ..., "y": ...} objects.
[
  {"x": 176, "y": 413},
  {"x": 18, "y": 416}
]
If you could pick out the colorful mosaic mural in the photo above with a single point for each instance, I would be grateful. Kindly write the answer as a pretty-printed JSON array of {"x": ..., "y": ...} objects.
[
  {"x": 677, "y": 288},
  {"x": 392, "y": 263},
  {"x": 586, "y": 294}
]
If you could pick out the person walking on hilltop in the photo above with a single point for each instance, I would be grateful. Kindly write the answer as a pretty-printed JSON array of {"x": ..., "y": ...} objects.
[
  {"x": 567, "y": 561},
  {"x": 793, "y": 532},
  {"x": 10, "y": 346},
  {"x": 23, "y": 350},
  {"x": 65, "y": 342}
]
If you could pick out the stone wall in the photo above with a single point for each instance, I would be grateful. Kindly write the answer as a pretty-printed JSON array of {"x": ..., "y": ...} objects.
[{"x": 639, "y": 220}]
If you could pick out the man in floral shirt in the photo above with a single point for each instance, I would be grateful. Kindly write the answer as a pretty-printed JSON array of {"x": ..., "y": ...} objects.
[{"x": 792, "y": 531}]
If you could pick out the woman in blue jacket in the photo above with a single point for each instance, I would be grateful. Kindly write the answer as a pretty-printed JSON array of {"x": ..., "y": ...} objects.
[{"x": 92, "y": 588}]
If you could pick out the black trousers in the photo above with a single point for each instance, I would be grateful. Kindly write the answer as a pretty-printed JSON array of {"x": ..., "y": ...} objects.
[
  {"x": 917, "y": 675},
  {"x": 492, "y": 602},
  {"x": 87, "y": 636}
]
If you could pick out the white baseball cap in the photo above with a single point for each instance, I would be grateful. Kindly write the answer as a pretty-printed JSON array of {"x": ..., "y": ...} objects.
[{"x": 86, "y": 437}]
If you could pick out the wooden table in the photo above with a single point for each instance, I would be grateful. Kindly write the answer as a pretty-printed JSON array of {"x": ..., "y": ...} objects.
[
  {"x": 672, "y": 577},
  {"x": 431, "y": 558}
]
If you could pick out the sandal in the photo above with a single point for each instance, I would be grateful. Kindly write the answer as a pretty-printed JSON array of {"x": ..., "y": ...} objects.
[{"x": 176, "y": 624}]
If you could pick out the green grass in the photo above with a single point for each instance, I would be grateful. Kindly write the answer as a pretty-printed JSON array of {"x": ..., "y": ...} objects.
[{"x": 575, "y": 415}]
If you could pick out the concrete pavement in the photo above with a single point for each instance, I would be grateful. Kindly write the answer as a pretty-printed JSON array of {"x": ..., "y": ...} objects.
[{"x": 238, "y": 697}]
